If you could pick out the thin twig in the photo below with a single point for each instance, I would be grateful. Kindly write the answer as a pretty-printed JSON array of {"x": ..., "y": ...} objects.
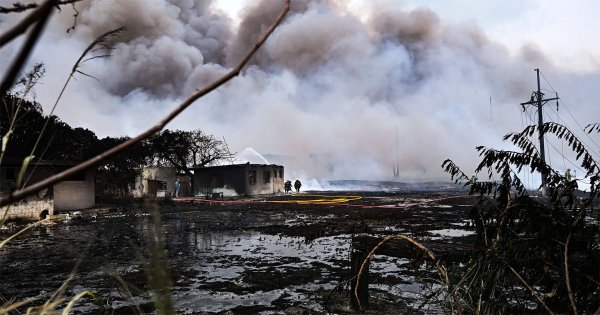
[
  {"x": 29, "y": 190},
  {"x": 535, "y": 294},
  {"x": 20, "y": 7},
  {"x": 75, "y": 17},
  {"x": 8, "y": 309},
  {"x": 567, "y": 277},
  {"x": 42, "y": 15},
  {"x": 20, "y": 28},
  {"x": 23, "y": 230},
  {"x": 441, "y": 269},
  {"x": 129, "y": 295},
  {"x": 98, "y": 41}
]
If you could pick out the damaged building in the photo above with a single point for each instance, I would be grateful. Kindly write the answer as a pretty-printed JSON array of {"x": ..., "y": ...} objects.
[
  {"x": 238, "y": 180},
  {"x": 74, "y": 193},
  {"x": 159, "y": 182}
]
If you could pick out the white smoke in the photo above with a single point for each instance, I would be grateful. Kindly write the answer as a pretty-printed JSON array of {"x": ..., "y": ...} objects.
[{"x": 327, "y": 91}]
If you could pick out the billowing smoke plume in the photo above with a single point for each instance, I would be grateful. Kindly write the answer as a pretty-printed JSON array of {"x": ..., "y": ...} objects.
[{"x": 325, "y": 95}]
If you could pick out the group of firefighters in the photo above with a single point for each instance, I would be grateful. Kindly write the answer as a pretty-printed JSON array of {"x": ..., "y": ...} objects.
[{"x": 287, "y": 186}]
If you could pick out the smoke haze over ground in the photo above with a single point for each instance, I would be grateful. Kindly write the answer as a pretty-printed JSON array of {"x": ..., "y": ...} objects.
[{"x": 326, "y": 93}]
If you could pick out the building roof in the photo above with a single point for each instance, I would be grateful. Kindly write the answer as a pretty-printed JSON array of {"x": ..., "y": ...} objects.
[
  {"x": 233, "y": 166},
  {"x": 14, "y": 162}
]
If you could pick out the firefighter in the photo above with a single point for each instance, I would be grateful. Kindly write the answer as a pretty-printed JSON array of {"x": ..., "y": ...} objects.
[
  {"x": 568, "y": 176},
  {"x": 287, "y": 186},
  {"x": 297, "y": 185}
]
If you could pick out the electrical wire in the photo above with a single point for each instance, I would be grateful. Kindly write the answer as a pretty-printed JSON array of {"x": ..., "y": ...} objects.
[
  {"x": 568, "y": 111},
  {"x": 564, "y": 123},
  {"x": 552, "y": 145}
]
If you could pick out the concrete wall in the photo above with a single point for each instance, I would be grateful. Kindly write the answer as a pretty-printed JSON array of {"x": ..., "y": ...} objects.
[
  {"x": 267, "y": 181},
  {"x": 161, "y": 174},
  {"x": 234, "y": 180},
  {"x": 76, "y": 194},
  {"x": 30, "y": 208},
  {"x": 79, "y": 192}
]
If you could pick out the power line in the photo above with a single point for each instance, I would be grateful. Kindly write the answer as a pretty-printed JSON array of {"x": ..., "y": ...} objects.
[
  {"x": 568, "y": 111},
  {"x": 554, "y": 147},
  {"x": 537, "y": 99},
  {"x": 527, "y": 176},
  {"x": 564, "y": 123},
  {"x": 581, "y": 139}
]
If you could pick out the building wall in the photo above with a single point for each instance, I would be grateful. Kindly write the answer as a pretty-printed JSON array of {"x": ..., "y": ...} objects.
[
  {"x": 160, "y": 174},
  {"x": 78, "y": 192},
  {"x": 30, "y": 208},
  {"x": 229, "y": 181},
  {"x": 241, "y": 179},
  {"x": 267, "y": 181}
]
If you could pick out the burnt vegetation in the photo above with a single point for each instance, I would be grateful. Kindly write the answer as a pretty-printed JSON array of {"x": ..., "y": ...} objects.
[{"x": 532, "y": 254}]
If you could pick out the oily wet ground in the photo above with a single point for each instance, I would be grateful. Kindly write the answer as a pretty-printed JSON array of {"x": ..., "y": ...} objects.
[{"x": 263, "y": 255}]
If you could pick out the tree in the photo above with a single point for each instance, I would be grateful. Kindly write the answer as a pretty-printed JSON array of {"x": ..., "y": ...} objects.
[
  {"x": 117, "y": 175},
  {"x": 178, "y": 148},
  {"x": 206, "y": 149},
  {"x": 58, "y": 142},
  {"x": 187, "y": 149},
  {"x": 37, "y": 21},
  {"x": 531, "y": 252}
]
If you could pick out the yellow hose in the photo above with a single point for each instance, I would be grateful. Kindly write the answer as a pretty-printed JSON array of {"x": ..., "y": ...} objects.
[{"x": 318, "y": 199}]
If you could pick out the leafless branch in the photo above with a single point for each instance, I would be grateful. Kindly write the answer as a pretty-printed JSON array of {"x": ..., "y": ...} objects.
[
  {"x": 26, "y": 22},
  {"x": 40, "y": 16},
  {"x": 75, "y": 18},
  {"x": 535, "y": 294},
  {"x": 29, "y": 190},
  {"x": 21, "y": 7},
  {"x": 567, "y": 277},
  {"x": 441, "y": 269}
]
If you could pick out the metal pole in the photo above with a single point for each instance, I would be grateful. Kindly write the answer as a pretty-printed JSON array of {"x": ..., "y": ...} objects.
[{"x": 541, "y": 132}]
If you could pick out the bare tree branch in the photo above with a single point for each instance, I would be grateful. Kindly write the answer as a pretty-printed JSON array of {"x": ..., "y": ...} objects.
[
  {"x": 21, "y": 7},
  {"x": 29, "y": 190},
  {"x": 443, "y": 273},
  {"x": 535, "y": 294},
  {"x": 41, "y": 17},
  {"x": 20, "y": 28},
  {"x": 567, "y": 276}
]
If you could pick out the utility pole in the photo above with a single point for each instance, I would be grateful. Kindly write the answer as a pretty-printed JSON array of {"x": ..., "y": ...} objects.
[
  {"x": 396, "y": 167},
  {"x": 537, "y": 98}
]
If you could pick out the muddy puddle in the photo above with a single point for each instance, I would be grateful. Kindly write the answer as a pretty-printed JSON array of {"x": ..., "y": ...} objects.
[{"x": 242, "y": 259}]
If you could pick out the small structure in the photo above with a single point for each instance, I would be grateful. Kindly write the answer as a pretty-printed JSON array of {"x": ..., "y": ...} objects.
[
  {"x": 159, "y": 182},
  {"x": 238, "y": 179},
  {"x": 76, "y": 192}
]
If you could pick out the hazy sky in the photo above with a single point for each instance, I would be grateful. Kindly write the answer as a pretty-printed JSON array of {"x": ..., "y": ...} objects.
[
  {"x": 562, "y": 29},
  {"x": 329, "y": 89}
]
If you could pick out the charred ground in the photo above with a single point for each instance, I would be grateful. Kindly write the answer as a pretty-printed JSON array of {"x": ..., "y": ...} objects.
[{"x": 242, "y": 256}]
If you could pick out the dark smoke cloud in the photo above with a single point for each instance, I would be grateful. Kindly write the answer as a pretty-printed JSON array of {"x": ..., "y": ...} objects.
[
  {"x": 165, "y": 43},
  {"x": 256, "y": 18},
  {"x": 327, "y": 92}
]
